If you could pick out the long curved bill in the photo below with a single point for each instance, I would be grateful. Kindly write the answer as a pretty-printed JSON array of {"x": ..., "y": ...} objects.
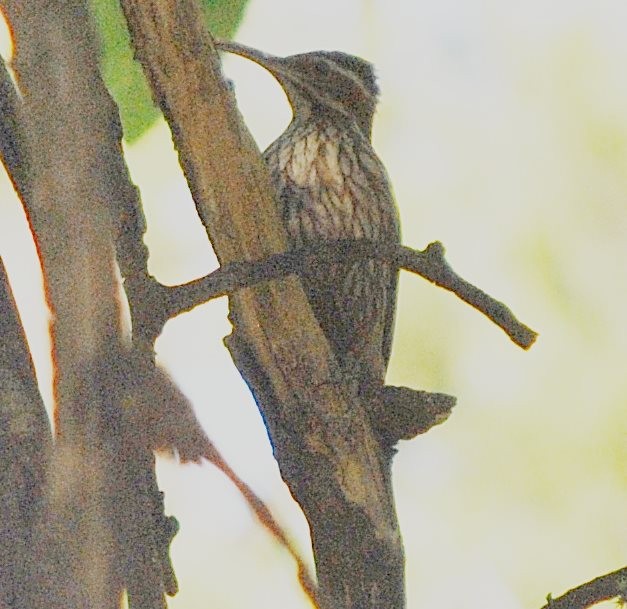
[{"x": 264, "y": 59}]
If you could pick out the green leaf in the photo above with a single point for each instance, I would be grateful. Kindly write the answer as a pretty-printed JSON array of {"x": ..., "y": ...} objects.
[{"x": 124, "y": 76}]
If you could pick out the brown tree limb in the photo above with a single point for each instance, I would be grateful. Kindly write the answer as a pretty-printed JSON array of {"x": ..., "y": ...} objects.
[
  {"x": 603, "y": 588},
  {"x": 432, "y": 265},
  {"x": 57, "y": 72},
  {"x": 159, "y": 303},
  {"x": 322, "y": 439}
]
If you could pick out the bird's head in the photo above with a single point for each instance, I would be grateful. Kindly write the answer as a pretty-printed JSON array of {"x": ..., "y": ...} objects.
[{"x": 320, "y": 83}]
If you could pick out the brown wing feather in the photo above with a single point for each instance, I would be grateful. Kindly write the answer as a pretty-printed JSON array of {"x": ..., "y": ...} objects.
[{"x": 380, "y": 188}]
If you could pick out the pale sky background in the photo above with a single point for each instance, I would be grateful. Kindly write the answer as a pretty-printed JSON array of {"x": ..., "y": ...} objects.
[{"x": 503, "y": 126}]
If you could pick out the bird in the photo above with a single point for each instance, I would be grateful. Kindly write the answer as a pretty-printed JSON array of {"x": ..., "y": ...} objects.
[{"x": 330, "y": 185}]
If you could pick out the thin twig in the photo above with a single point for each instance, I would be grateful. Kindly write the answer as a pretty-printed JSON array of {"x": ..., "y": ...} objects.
[
  {"x": 432, "y": 265},
  {"x": 603, "y": 588}
]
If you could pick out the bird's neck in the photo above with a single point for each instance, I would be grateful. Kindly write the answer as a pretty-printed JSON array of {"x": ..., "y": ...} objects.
[{"x": 323, "y": 119}]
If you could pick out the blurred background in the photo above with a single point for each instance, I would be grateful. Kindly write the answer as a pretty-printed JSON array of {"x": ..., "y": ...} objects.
[{"x": 503, "y": 126}]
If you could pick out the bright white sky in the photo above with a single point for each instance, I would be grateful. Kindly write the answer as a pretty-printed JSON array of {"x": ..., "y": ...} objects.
[{"x": 503, "y": 126}]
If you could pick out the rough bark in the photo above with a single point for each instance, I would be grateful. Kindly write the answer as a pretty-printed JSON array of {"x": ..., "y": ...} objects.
[{"x": 63, "y": 127}]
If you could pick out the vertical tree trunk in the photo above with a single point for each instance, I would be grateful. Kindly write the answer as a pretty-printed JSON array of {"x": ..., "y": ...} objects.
[{"x": 64, "y": 124}]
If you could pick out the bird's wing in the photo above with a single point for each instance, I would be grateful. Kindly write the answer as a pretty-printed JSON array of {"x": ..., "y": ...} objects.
[{"x": 389, "y": 232}]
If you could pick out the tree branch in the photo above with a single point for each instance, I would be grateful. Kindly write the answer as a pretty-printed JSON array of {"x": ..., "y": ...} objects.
[
  {"x": 55, "y": 62},
  {"x": 603, "y": 588},
  {"x": 432, "y": 265},
  {"x": 159, "y": 303}
]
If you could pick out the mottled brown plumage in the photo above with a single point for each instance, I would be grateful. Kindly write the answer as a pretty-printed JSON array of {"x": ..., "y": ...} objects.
[{"x": 331, "y": 185}]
